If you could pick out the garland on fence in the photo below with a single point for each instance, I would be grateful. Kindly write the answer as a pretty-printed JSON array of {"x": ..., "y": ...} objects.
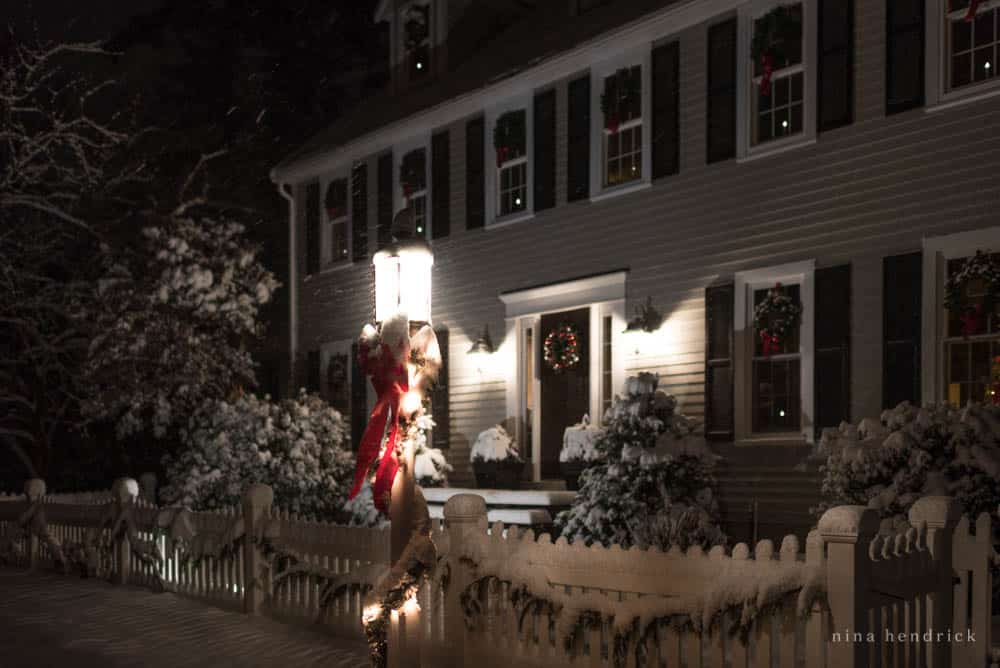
[
  {"x": 562, "y": 348},
  {"x": 771, "y": 35},
  {"x": 620, "y": 91},
  {"x": 509, "y": 136},
  {"x": 776, "y": 316},
  {"x": 980, "y": 267}
]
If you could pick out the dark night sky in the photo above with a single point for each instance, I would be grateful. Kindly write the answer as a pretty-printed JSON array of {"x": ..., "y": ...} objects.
[{"x": 75, "y": 19}]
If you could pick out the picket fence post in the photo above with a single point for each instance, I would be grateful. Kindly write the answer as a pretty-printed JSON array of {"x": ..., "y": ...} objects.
[
  {"x": 465, "y": 518},
  {"x": 34, "y": 490},
  {"x": 257, "y": 502},
  {"x": 940, "y": 514},
  {"x": 124, "y": 492},
  {"x": 847, "y": 532}
]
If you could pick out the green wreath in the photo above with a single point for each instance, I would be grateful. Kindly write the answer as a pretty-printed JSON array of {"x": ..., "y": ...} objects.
[
  {"x": 562, "y": 348},
  {"x": 509, "y": 135},
  {"x": 776, "y": 316},
  {"x": 780, "y": 26},
  {"x": 411, "y": 171},
  {"x": 979, "y": 267},
  {"x": 619, "y": 91},
  {"x": 416, "y": 26}
]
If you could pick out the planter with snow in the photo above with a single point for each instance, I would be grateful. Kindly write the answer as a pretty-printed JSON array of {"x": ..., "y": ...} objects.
[
  {"x": 496, "y": 461},
  {"x": 578, "y": 452}
]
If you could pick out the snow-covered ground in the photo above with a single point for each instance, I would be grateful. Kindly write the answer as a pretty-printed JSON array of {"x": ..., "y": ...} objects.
[{"x": 51, "y": 620}]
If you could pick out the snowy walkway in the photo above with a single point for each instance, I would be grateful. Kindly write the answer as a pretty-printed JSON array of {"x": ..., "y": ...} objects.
[{"x": 50, "y": 620}]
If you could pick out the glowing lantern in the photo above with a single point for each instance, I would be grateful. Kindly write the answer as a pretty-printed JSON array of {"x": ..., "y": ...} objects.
[{"x": 403, "y": 274}]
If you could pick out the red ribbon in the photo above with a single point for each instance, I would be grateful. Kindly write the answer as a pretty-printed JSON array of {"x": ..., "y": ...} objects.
[
  {"x": 389, "y": 378},
  {"x": 502, "y": 152},
  {"x": 612, "y": 122},
  {"x": 770, "y": 343},
  {"x": 767, "y": 65},
  {"x": 334, "y": 212},
  {"x": 973, "y": 8},
  {"x": 972, "y": 320}
]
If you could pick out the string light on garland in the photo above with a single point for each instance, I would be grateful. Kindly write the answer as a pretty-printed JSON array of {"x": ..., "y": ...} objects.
[
  {"x": 562, "y": 348},
  {"x": 776, "y": 316}
]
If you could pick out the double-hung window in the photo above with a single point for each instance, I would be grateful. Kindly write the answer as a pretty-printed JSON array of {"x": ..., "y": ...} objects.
[
  {"x": 416, "y": 33},
  {"x": 971, "y": 342},
  {"x": 779, "y": 75},
  {"x": 510, "y": 143},
  {"x": 413, "y": 183},
  {"x": 776, "y": 386},
  {"x": 972, "y": 35},
  {"x": 621, "y": 104},
  {"x": 335, "y": 204}
]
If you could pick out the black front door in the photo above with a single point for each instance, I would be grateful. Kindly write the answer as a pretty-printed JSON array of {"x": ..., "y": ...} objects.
[{"x": 565, "y": 394}]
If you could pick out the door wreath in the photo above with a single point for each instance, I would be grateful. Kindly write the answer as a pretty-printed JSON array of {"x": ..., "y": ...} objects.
[{"x": 562, "y": 348}]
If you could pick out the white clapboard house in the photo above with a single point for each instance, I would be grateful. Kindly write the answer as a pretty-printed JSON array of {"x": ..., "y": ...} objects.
[{"x": 862, "y": 173}]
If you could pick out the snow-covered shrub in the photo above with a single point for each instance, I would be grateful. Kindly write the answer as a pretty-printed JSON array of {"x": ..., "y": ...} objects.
[
  {"x": 430, "y": 467},
  {"x": 494, "y": 445},
  {"x": 580, "y": 443},
  {"x": 888, "y": 464},
  {"x": 361, "y": 511},
  {"x": 173, "y": 319},
  {"x": 655, "y": 487},
  {"x": 297, "y": 446}
]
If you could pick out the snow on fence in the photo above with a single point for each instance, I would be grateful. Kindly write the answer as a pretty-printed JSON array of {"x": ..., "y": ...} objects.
[{"x": 538, "y": 603}]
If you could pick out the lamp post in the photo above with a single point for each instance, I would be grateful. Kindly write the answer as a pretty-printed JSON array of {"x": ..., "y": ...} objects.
[{"x": 403, "y": 286}]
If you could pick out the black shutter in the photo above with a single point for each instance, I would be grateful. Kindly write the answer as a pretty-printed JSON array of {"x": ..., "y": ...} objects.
[
  {"x": 384, "y": 223},
  {"x": 359, "y": 399},
  {"x": 312, "y": 229},
  {"x": 832, "y": 374},
  {"x": 904, "y": 55},
  {"x": 359, "y": 212},
  {"x": 440, "y": 407},
  {"x": 721, "y": 122},
  {"x": 440, "y": 185},
  {"x": 836, "y": 64},
  {"x": 719, "y": 362},
  {"x": 545, "y": 150},
  {"x": 901, "y": 297},
  {"x": 578, "y": 140},
  {"x": 475, "y": 173},
  {"x": 313, "y": 371},
  {"x": 666, "y": 110}
]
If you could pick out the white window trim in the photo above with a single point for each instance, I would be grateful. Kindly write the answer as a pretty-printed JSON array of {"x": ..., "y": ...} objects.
[
  {"x": 801, "y": 273},
  {"x": 744, "y": 74},
  {"x": 399, "y": 151},
  {"x": 637, "y": 56},
  {"x": 937, "y": 252},
  {"x": 605, "y": 296},
  {"x": 327, "y": 261},
  {"x": 493, "y": 218},
  {"x": 936, "y": 63}
]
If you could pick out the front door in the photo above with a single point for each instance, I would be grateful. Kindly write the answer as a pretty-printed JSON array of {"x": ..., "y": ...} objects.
[{"x": 565, "y": 394}]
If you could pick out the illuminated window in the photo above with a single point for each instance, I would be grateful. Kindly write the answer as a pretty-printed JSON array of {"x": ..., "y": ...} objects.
[
  {"x": 777, "y": 397},
  {"x": 413, "y": 181},
  {"x": 971, "y": 343},
  {"x": 510, "y": 144},
  {"x": 622, "y": 108}
]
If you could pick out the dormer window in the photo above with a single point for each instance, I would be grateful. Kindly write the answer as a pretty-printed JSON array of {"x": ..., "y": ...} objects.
[
  {"x": 413, "y": 182},
  {"x": 417, "y": 40},
  {"x": 621, "y": 104},
  {"x": 335, "y": 204},
  {"x": 510, "y": 144}
]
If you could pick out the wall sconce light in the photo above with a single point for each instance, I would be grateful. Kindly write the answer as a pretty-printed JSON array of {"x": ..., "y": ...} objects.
[
  {"x": 647, "y": 318},
  {"x": 481, "y": 349}
]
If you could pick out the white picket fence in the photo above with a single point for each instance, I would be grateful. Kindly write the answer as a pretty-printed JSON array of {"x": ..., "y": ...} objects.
[{"x": 933, "y": 578}]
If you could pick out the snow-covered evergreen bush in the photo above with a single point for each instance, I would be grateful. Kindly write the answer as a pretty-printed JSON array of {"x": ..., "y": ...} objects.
[
  {"x": 297, "y": 446},
  {"x": 494, "y": 445},
  {"x": 888, "y": 464},
  {"x": 655, "y": 486}
]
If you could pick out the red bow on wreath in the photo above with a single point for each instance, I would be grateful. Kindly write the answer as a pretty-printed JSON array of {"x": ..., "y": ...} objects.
[
  {"x": 613, "y": 122},
  {"x": 972, "y": 320},
  {"x": 767, "y": 65},
  {"x": 391, "y": 382},
  {"x": 502, "y": 153},
  {"x": 770, "y": 343}
]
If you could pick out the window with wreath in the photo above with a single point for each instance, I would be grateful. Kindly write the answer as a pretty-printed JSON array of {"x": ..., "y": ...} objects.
[
  {"x": 413, "y": 182},
  {"x": 417, "y": 39},
  {"x": 335, "y": 203},
  {"x": 777, "y": 360},
  {"x": 972, "y": 338},
  {"x": 621, "y": 104},
  {"x": 510, "y": 143},
  {"x": 971, "y": 37},
  {"x": 778, "y": 83}
]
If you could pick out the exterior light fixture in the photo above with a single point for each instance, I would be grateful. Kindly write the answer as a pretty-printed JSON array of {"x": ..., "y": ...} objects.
[
  {"x": 403, "y": 273},
  {"x": 647, "y": 318},
  {"x": 481, "y": 349}
]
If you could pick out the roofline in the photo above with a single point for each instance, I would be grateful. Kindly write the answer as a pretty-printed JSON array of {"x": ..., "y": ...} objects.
[{"x": 646, "y": 29}]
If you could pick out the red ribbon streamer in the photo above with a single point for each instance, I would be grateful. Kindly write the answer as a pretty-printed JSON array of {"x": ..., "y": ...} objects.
[
  {"x": 389, "y": 378},
  {"x": 613, "y": 122},
  {"x": 973, "y": 8},
  {"x": 767, "y": 65},
  {"x": 502, "y": 152},
  {"x": 770, "y": 343},
  {"x": 972, "y": 321}
]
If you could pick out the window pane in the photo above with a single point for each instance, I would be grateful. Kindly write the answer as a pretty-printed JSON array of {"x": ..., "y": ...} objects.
[
  {"x": 983, "y": 64},
  {"x": 980, "y": 362},
  {"x": 797, "y": 87},
  {"x": 961, "y": 36},
  {"x": 959, "y": 362},
  {"x": 776, "y": 398},
  {"x": 984, "y": 27},
  {"x": 961, "y": 70},
  {"x": 796, "y": 118},
  {"x": 781, "y": 88}
]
